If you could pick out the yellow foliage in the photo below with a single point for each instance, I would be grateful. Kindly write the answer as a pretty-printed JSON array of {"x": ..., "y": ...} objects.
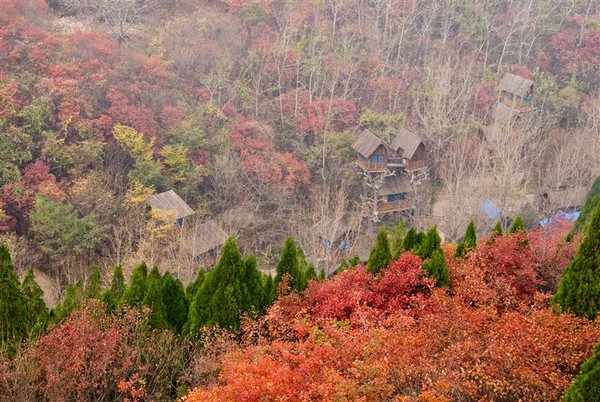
[
  {"x": 137, "y": 196},
  {"x": 134, "y": 142},
  {"x": 176, "y": 159}
]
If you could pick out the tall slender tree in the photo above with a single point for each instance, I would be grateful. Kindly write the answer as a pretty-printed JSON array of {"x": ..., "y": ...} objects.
[
  {"x": 14, "y": 316},
  {"x": 289, "y": 265},
  {"x": 586, "y": 386},
  {"x": 36, "y": 307},
  {"x": 153, "y": 300},
  {"x": 176, "y": 304},
  {"x": 469, "y": 241},
  {"x": 380, "y": 255},
  {"x": 579, "y": 288},
  {"x": 137, "y": 286},
  {"x": 517, "y": 225}
]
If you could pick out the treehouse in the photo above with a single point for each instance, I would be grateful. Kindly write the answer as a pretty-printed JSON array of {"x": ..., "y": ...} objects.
[
  {"x": 338, "y": 244},
  {"x": 171, "y": 206},
  {"x": 206, "y": 243},
  {"x": 372, "y": 152},
  {"x": 516, "y": 91},
  {"x": 395, "y": 195},
  {"x": 407, "y": 152}
]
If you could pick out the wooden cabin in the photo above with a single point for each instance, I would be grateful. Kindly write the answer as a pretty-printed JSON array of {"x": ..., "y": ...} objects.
[
  {"x": 408, "y": 152},
  {"x": 372, "y": 152},
  {"x": 395, "y": 194},
  {"x": 171, "y": 205},
  {"x": 516, "y": 91},
  {"x": 206, "y": 243}
]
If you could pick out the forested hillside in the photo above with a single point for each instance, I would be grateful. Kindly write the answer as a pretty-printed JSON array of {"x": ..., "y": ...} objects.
[{"x": 251, "y": 112}]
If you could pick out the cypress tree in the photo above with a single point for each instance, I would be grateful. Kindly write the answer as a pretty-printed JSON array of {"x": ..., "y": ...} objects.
[
  {"x": 517, "y": 225},
  {"x": 430, "y": 244},
  {"x": 269, "y": 290},
  {"x": 469, "y": 241},
  {"x": 355, "y": 261},
  {"x": 396, "y": 237},
  {"x": 153, "y": 300},
  {"x": 289, "y": 265},
  {"x": 34, "y": 302},
  {"x": 135, "y": 292},
  {"x": 221, "y": 293},
  {"x": 14, "y": 318},
  {"x": 117, "y": 284},
  {"x": 193, "y": 286},
  {"x": 586, "y": 386},
  {"x": 380, "y": 254},
  {"x": 579, "y": 288},
  {"x": 411, "y": 240},
  {"x": 592, "y": 200},
  {"x": 93, "y": 287},
  {"x": 252, "y": 290},
  {"x": 436, "y": 268},
  {"x": 176, "y": 304}
]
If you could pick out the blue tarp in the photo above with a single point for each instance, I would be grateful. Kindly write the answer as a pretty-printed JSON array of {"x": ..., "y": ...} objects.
[
  {"x": 558, "y": 215},
  {"x": 491, "y": 210}
]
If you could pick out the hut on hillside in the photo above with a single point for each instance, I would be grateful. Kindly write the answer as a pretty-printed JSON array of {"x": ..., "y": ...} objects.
[
  {"x": 408, "y": 151},
  {"x": 205, "y": 243},
  {"x": 171, "y": 205},
  {"x": 516, "y": 91},
  {"x": 372, "y": 152}
]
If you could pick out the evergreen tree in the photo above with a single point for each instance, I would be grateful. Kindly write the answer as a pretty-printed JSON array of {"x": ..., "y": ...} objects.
[
  {"x": 411, "y": 240},
  {"x": 437, "y": 269},
  {"x": 355, "y": 261},
  {"x": 193, "y": 286},
  {"x": 430, "y": 244},
  {"x": 586, "y": 386},
  {"x": 469, "y": 242},
  {"x": 579, "y": 288},
  {"x": 592, "y": 200},
  {"x": 517, "y": 225},
  {"x": 269, "y": 289},
  {"x": 496, "y": 232},
  {"x": 153, "y": 300},
  {"x": 135, "y": 292},
  {"x": 176, "y": 304},
  {"x": 15, "y": 320},
  {"x": 117, "y": 284},
  {"x": 289, "y": 265},
  {"x": 223, "y": 293},
  {"x": 74, "y": 297},
  {"x": 93, "y": 287},
  {"x": 380, "y": 254},
  {"x": 34, "y": 302},
  {"x": 396, "y": 237},
  {"x": 251, "y": 286}
]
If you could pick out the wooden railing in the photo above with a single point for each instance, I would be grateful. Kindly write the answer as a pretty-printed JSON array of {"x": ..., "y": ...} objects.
[
  {"x": 371, "y": 167},
  {"x": 394, "y": 206},
  {"x": 415, "y": 165}
]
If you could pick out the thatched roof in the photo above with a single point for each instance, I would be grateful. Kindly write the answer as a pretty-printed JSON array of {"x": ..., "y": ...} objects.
[
  {"x": 208, "y": 236},
  {"x": 395, "y": 185},
  {"x": 367, "y": 143},
  {"x": 170, "y": 201},
  {"x": 515, "y": 84},
  {"x": 406, "y": 141}
]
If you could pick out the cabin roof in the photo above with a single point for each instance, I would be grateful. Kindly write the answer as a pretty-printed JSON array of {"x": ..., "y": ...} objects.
[
  {"x": 505, "y": 114},
  {"x": 170, "y": 201},
  {"x": 515, "y": 84},
  {"x": 367, "y": 143},
  {"x": 208, "y": 236},
  {"x": 406, "y": 141},
  {"x": 395, "y": 185}
]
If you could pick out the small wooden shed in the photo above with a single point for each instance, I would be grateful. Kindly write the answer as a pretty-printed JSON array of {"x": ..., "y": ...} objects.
[
  {"x": 171, "y": 204},
  {"x": 206, "y": 243},
  {"x": 516, "y": 91},
  {"x": 396, "y": 194},
  {"x": 372, "y": 152},
  {"x": 410, "y": 148}
]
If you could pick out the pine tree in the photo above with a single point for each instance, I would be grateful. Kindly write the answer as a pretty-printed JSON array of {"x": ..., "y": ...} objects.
[
  {"x": 437, "y": 269},
  {"x": 113, "y": 296},
  {"x": 592, "y": 200},
  {"x": 380, "y": 254},
  {"x": 14, "y": 318},
  {"x": 219, "y": 299},
  {"x": 430, "y": 244},
  {"x": 586, "y": 386},
  {"x": 34, "y": 302},
  {"x": 153, "y": 300},
  {"x": 176, "y": 304},
  {"x": 93, "y": 287},
  {"x": 579, "y": 288},
  {"x": 193, "y": 286},
  {"x": 354, "y": 261},
  {"x": 517, "y": 225},
  {"x": 396, "y": 237},
  {"x": 289, "y": 265},
  {"x": 411, "y": 240},
  {"x": 469, "y": 242},
  {"x": 134, "y": 294},
  {"x": 252, "y": 290},
  {"x": 496, "y": 232},
  {"x": 269, "y": 289}
]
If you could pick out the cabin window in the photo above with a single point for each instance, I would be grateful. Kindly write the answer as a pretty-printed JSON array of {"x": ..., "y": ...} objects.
[
  {"x": 509, "y": 95},
  {"x": 179, "y": 222},
  {"x": 212, "y": 252},
  {"x": 396, "y": 197},
  {"x": 377, "y": 159},
  {"x": 200, "y": 258},
  {"x": 344, "y": 245},
  {"x": 527, "y": 97}
]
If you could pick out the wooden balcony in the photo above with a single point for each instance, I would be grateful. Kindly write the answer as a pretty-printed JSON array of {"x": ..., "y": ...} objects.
[
  {"x": 371, "y": 167},
  {"x": 395, "y": 206}
]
